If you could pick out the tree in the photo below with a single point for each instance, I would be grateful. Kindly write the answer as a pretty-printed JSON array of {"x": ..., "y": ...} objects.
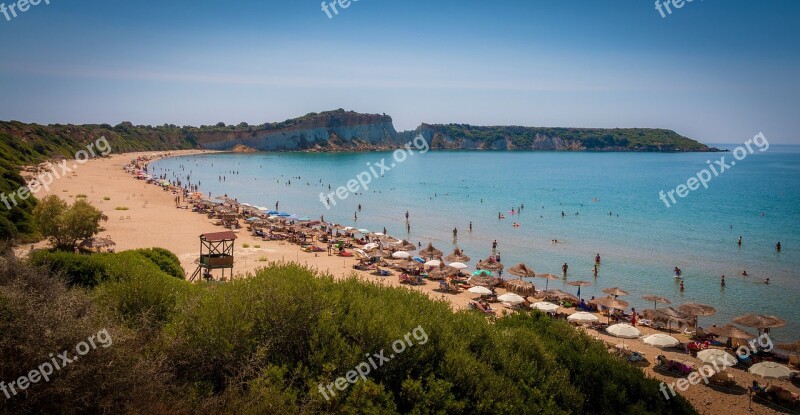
[{"x": 64, "y": 225}]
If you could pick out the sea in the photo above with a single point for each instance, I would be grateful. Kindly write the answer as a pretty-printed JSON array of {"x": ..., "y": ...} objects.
[{"x": 605, "y": 203}]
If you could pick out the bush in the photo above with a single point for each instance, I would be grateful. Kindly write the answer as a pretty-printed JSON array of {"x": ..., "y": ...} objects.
[
  {"x": 77, "y": 270},
  {"x": 284, "y": 332},
  {"x": 39, "y": 318},
  {"x": 164, "y": 259},
  {"x": 63, "y": 224}
]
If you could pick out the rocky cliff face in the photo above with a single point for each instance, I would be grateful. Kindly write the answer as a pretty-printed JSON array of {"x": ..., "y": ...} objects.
[{"x": 329, "y": 131}]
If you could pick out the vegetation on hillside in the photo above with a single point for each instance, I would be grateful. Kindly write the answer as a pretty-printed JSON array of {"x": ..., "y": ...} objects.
[
  {"x": 266, "y": 344},
  {"x": 641, "y": 139}
]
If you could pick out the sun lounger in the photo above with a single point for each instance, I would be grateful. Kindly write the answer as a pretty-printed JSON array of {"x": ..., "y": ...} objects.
[
  {"x": 794, "y": 361},
  {"x": 722, "y": 378}
]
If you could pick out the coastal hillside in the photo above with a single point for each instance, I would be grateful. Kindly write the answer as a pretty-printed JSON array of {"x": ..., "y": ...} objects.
[
  {"x": 337, "y": 130},
  {"x": 464, "y": 136}
]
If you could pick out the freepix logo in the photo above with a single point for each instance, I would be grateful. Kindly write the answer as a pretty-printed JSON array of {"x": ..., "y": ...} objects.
[{"x": 21, "y": 6}]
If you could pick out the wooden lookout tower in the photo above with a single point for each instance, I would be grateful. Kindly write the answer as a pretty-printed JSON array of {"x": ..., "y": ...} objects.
[{"x": 216, "y": 252}]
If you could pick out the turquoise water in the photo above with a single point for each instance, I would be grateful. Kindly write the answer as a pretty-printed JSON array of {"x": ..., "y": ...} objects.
[{"x": 640, "y": 242}]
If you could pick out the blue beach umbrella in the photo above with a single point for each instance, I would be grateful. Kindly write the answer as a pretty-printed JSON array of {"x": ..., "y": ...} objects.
[{"x": 482, "y": 272}]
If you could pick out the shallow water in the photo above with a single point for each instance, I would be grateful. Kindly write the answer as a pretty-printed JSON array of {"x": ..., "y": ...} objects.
[{"x": 640, "y": 242}]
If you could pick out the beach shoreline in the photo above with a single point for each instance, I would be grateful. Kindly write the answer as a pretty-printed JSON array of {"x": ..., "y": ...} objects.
[{"x": 151, "y": 219}]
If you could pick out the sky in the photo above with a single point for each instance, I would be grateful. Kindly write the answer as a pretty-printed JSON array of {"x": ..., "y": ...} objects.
[{"x": 718, "y": 71}]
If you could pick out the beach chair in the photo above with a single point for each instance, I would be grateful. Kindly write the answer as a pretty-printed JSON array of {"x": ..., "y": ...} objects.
[
  {"x": 722, "y": 378},
  {"x": 794, "y": 361}
]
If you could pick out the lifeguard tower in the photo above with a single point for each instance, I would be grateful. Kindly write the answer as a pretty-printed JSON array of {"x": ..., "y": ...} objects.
[{"x": 216, "y": 252}]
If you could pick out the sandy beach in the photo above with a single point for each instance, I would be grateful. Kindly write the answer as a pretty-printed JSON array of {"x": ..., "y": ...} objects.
[{"x": 150, "y": 219}]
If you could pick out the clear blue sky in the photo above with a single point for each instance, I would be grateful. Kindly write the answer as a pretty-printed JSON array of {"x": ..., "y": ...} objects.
[{"x": 714, "y": 70}]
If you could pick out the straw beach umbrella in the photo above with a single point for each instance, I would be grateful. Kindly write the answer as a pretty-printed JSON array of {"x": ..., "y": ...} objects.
[
  {"x": 484, "y": 280},
  {"x": 441, "y": 272},
  {"x": 611, "y": 303},
  {"x": 656, "y": 299},
  {"x": 521, "y": 287},
  {"x": 561, "y": 295},
  {"x": 730, "y": 331},
  {"x": 430, "y": 252},
  {"x": 548, "y": 278},
  {"x": 697, "y": 310},
  {"x": 668, "y": 315},
  {"x": 457, "y": 256},
  {"x": 760, "y": 322},
  {"x": 615, "y": 291},
  {"x": 96, "y": 243},
  {"x": 403, "y": 246},
  {"x": 790, "y": 347},
  {"x": 522, "y": 271},
  {"x": 490, "y": 265}
]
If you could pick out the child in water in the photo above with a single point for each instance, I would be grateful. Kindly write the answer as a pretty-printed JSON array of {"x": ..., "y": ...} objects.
[{"x": 682, "y": 286}]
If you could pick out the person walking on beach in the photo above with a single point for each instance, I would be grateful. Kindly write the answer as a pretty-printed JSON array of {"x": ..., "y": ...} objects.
[
  {"x": 455, "y": 233},
  {"x": 355, "y": 215},
  {"x": 564, "y": 268},
  {"x": 740, "y": 241},
  {"x": 408, "y": 227},
  {"x": 406, "y": 216},
  {"x": 276, "y": 205},
  {"x": 494, "y": 247}
]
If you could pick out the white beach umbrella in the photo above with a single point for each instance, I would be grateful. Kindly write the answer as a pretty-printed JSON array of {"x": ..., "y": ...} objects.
[
  {"x": 458, "y": 265},
  {"x": 370, "y": 246},
  {"x": 349, "y": 228},
  {"x": 582, "y": 317},
  {"x": 378, "y": 234},
  {"x": 511, "y": 298},
  {"x": 545, "y": 306},
  {"x": 770, "y": 370},
  {"x": 364, "y": 231},
  {"x": 480, "y": 290},
  {"x": 721, "y": 357},
  {"x": 661, "y": 340},
  {"x": 624, "y": 330},
  {"x": 433, "y": 263},
  {"x": 401, "y": 255},
  {"x": 360, "y": 253}
]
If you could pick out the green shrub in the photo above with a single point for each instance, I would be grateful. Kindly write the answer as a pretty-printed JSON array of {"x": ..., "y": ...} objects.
[
  {"x": 166, "y": 261},
  {"x": 77, "y": 270},
  {"x": 318, "y": 328}
]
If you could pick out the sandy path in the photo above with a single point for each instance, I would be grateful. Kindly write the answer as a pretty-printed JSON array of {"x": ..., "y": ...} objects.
[{"x": 153, "y": 221}]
